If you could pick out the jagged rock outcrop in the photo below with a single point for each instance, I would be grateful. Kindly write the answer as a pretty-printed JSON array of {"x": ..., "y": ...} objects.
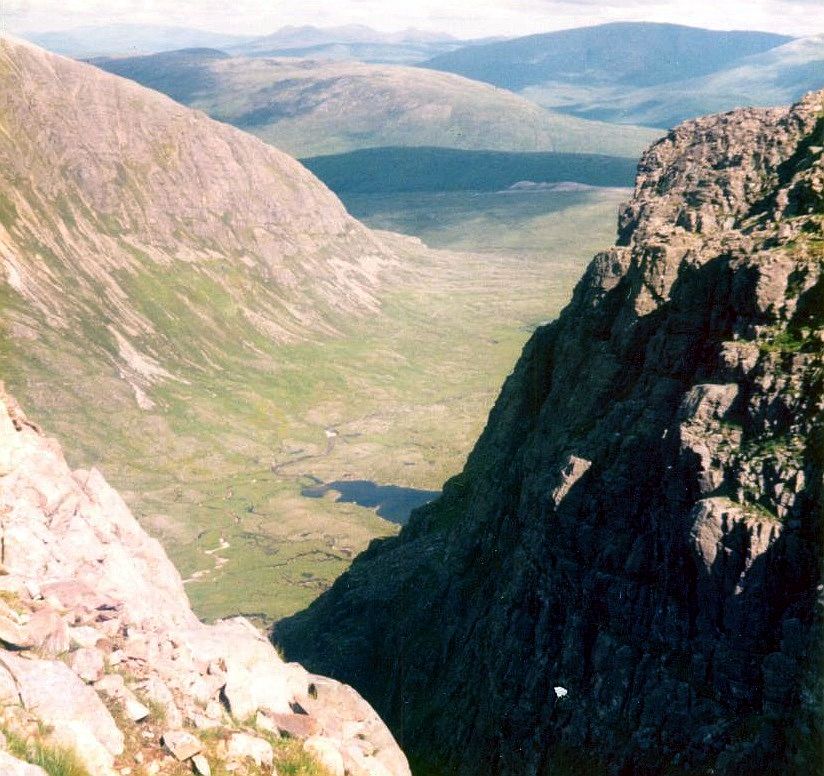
[
  {"x": 626, "y": 578},
  {"x": 100, "y": 653}
]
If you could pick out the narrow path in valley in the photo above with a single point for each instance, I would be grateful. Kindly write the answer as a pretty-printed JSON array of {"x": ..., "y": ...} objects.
[
  {"x": 332, "y": 436},
  {"x": 331, "y": 440},
  {"x": 219, "y": 561}
]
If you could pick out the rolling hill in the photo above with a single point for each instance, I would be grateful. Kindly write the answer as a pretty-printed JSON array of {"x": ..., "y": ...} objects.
[
  {"x": 632, "y": 54},
  {"x": 646, "y": 74},
  {"x": 776, "y": 77},
  {"x": 309, "y": 108}
]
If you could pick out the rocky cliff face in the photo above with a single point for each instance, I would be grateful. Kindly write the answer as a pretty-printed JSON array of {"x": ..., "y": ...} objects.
[
  {"x": 101, "y": 656},
  {"x": 626, "y": 578}
]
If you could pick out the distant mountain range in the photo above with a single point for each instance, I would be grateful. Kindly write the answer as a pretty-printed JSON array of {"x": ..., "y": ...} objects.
[
  {"x": 298, "y": 37},
  {"x": 352, "y": 42},
  {"x": 311, "y": 107},
  {"x": 775, "y": 77},
  {"x": 638, "y": 73},
  {"x": 643, "y": 73},
  {"x": 346, "y": 42},
  {"x": 628, "y": 53},
  {"x": 129, "y": 39}
]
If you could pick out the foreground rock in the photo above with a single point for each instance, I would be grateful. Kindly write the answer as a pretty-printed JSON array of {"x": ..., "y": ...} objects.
[
  {"x": 626, "y": 578},
  {"x": 11, "y": 766},
  {"x": 181, "y": 745},
  {"x": 105, "y": 659}
]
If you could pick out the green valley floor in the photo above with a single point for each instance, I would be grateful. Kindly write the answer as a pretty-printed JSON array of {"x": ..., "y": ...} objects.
[{"x": 221, "y": 476}]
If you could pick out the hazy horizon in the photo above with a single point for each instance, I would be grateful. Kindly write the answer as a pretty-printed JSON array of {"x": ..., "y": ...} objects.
[{"x": 459, "y": 18}]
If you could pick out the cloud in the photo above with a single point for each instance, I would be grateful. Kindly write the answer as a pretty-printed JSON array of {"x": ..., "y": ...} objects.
[{"x": 464, "y": 18}]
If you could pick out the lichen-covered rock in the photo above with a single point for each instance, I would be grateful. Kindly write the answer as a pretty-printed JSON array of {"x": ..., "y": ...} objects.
[{"x": 641, "y": 522}]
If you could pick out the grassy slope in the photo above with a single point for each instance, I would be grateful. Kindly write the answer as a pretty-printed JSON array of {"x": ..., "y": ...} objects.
[
  {"x": 309, "y": 108},
  {"x": 541, "y": 225}
]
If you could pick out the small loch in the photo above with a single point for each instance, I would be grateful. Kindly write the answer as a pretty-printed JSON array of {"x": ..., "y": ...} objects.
[{"x": 392, "y": 502}]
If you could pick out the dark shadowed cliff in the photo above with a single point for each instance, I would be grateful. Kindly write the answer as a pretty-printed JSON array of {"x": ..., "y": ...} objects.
[{"x": 640, "y": 523}]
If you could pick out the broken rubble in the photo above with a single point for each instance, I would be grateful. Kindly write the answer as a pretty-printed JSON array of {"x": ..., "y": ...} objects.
[
  {"x": 296, "y": 725},
  {"x": 49, "y": 632},
  {"x": 14, "y": 635},
  {"x": 85, "y": 636},
  {"x": 87, "y": 663},
  {"x": 134, "y": 709},
  {"x": 181, "y": 745},
  {"x": 61, "y": 701},
  {"x": 201, "y": 765},
  {"x": 243, "y": 746}
]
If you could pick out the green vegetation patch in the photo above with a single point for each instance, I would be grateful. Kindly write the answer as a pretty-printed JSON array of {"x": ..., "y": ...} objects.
[
  {"x": 292, "y": 760},
  {"x": 784, "y": 340},
  {"x": 54, "y": 760},
  {"x": 8, "y": 211}
]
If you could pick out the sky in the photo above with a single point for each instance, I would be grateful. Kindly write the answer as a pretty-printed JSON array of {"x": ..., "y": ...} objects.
[{"x": 461, "y": 18}]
